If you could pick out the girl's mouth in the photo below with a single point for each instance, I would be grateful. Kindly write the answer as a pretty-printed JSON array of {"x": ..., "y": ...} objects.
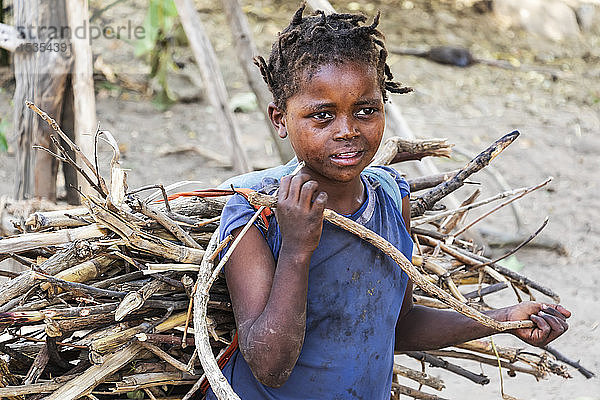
[{"x": 347, "y": 158}]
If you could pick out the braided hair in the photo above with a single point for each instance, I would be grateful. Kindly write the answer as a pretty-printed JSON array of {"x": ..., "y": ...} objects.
[{"x": 312, "y": 41}]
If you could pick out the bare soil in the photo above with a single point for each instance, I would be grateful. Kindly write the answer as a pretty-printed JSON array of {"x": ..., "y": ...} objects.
[{"x": 558, "y": 115}]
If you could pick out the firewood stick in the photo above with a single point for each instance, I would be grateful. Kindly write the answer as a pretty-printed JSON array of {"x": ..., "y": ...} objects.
[
  {"x": 29, "y": 241},
  {"x": 414, "y": 393},
  {"x": 38, "y": 366},
  {"x": 13, "y": 288},
  {"x": 519, "y": 246},
  {"x": 440, "y": 363},
  {"x": 485, "y": 346},
  {"x": 496, "y": 287},
  {"x": 575, "y": 364},
  {"x": 58, "y": 219},
  {"x": 83, "y": 272},
  {"x": 489, "y": 361},
  {"x": 420, "y": 377},
  {"x": 110, "y": 342},
  {"x": 426, "y": 182},
  {"x": 371, "y": 237},
  {"x": 397, "y": 149},
  {"x": 424, "y": 220},
  {"x": 501, "y": 205},
  {"x": 135, "y": 300},
  {"x": 165, "y": 356},
  {"x": 162, "y": 218},
  {"x": 54, "y": 125},
  {"x": 143, "y": 241},
  {"x": 427, "y": 200},
  {"x": 474, "y": 259},
  {"x": 19, "y": 318},
  {"x": 452, "y": 220},
  {"x": 518, "y": 278},
  {"x": 218, "y": 383},
  {"x": 96, "y": 374},
  {"x": 34, "y": 388}
]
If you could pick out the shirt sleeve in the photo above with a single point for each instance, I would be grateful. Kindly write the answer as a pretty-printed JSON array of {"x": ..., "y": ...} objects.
[
  {"x": 236, "y": 213},
  {"x": 403, "y": 185}
]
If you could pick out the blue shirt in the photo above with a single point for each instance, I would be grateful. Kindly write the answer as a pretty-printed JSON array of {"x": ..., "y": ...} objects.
[{"x": 355, "y": 294}]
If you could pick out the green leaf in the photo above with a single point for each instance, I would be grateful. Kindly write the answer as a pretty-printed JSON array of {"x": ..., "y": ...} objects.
[
  {"x": 512, "y": 263},
  {"x": 3, "y": 132}
]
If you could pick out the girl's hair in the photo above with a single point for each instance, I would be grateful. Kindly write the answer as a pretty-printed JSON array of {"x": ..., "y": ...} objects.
[{"x": 310, "y": 42}]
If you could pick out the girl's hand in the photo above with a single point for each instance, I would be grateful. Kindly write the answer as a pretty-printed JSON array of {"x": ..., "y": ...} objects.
[
  {"x": 299, "y": 212},
  {"x": 551, "y": 321}
]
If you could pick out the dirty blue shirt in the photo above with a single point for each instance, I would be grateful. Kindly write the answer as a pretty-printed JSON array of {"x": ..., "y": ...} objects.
[{"x": 355, "y": 294}]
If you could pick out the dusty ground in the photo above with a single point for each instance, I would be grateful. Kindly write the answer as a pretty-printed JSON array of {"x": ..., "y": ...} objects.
[{"x": 559, "y": 120}]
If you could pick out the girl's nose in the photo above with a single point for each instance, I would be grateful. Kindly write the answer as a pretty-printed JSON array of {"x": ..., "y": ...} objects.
[{"x": 345, "y": 130}]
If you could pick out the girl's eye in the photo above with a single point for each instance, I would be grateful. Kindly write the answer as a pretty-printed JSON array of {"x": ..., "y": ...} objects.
[
  {"x": 363, "y": 112},
  {"x": 322, "y": 116}
]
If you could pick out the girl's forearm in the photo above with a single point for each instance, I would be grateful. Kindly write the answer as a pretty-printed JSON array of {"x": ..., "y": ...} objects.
[
  {"x": 273, "y": 341},
  {"x": 425, "y": 328}
]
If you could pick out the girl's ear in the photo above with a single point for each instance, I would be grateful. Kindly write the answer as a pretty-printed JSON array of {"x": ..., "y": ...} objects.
[{"x": 277, "y": 117}]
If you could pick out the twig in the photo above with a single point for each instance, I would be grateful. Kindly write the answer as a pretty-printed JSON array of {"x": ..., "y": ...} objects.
[
  {"x": 164, "y": 356},
  {"x": 414, "y": 393},
  {"x": 499, "y": 196},
  {"x": 422, "y": 378},
  {"x": 439, "y": 363},
  {"x": 503, "y": 204},
  {"x": 426, "y": 201},
  {"x": 159, "y": 187},
  {"x": 513, "y": 251},
  {"x": 575, "y": 364},
  {"x": 485, "y": 360},
  {"x": 54, "y": 125},
  {"x": 162, "y": 218},
  {"x": 496, "y": 287}
]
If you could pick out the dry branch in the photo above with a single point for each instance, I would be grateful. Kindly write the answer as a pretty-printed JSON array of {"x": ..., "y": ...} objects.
[{"x": 427, "y": 200}]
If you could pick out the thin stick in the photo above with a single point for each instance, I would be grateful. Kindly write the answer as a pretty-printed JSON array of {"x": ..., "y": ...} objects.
[
  {"x": 162, "y": 218},
  {"x": 499, "y": 196},
  {"x": 575, "y": 364},
  {"x": 499, "y": 206},
  {"x": 220, "y": 248},
  {"x": 513, "y": 251},
  {"x": 165, "y": 356},
  {"x": 159, "y": 187},
  {"x": 54, "y": 125},
  {"x": 427, "y": 200},
  {"x": 440, "y": 363}
]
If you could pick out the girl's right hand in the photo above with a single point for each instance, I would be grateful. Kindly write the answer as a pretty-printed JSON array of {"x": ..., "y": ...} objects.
[{"x": 299, "y": 212}]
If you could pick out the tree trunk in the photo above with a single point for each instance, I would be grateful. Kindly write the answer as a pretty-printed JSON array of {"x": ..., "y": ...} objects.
[
  {"x": 246, "y": 51},
  {"x": 83, "y": 84},
  {"x": 40, "y": 77},
  {"x": 68, "y": 125}
]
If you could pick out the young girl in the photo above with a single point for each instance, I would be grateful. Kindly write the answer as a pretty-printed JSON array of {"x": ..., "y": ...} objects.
[{"x": 320, "y": 312}]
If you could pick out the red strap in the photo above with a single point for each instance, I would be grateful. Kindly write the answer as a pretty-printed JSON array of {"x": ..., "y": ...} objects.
[
  {"x": 221, "y": 362},
  {"x": 219, "y": 193}
]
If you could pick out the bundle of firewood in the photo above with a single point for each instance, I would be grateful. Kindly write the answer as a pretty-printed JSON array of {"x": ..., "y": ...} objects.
[{"x": 124, "y": 298}]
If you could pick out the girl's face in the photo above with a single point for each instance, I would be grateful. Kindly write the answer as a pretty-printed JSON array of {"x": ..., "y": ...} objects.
[{"x": 335, "y": 121}]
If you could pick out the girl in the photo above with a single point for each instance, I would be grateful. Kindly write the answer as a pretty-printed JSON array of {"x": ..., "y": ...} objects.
[{"x": 320, "y": 312}]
